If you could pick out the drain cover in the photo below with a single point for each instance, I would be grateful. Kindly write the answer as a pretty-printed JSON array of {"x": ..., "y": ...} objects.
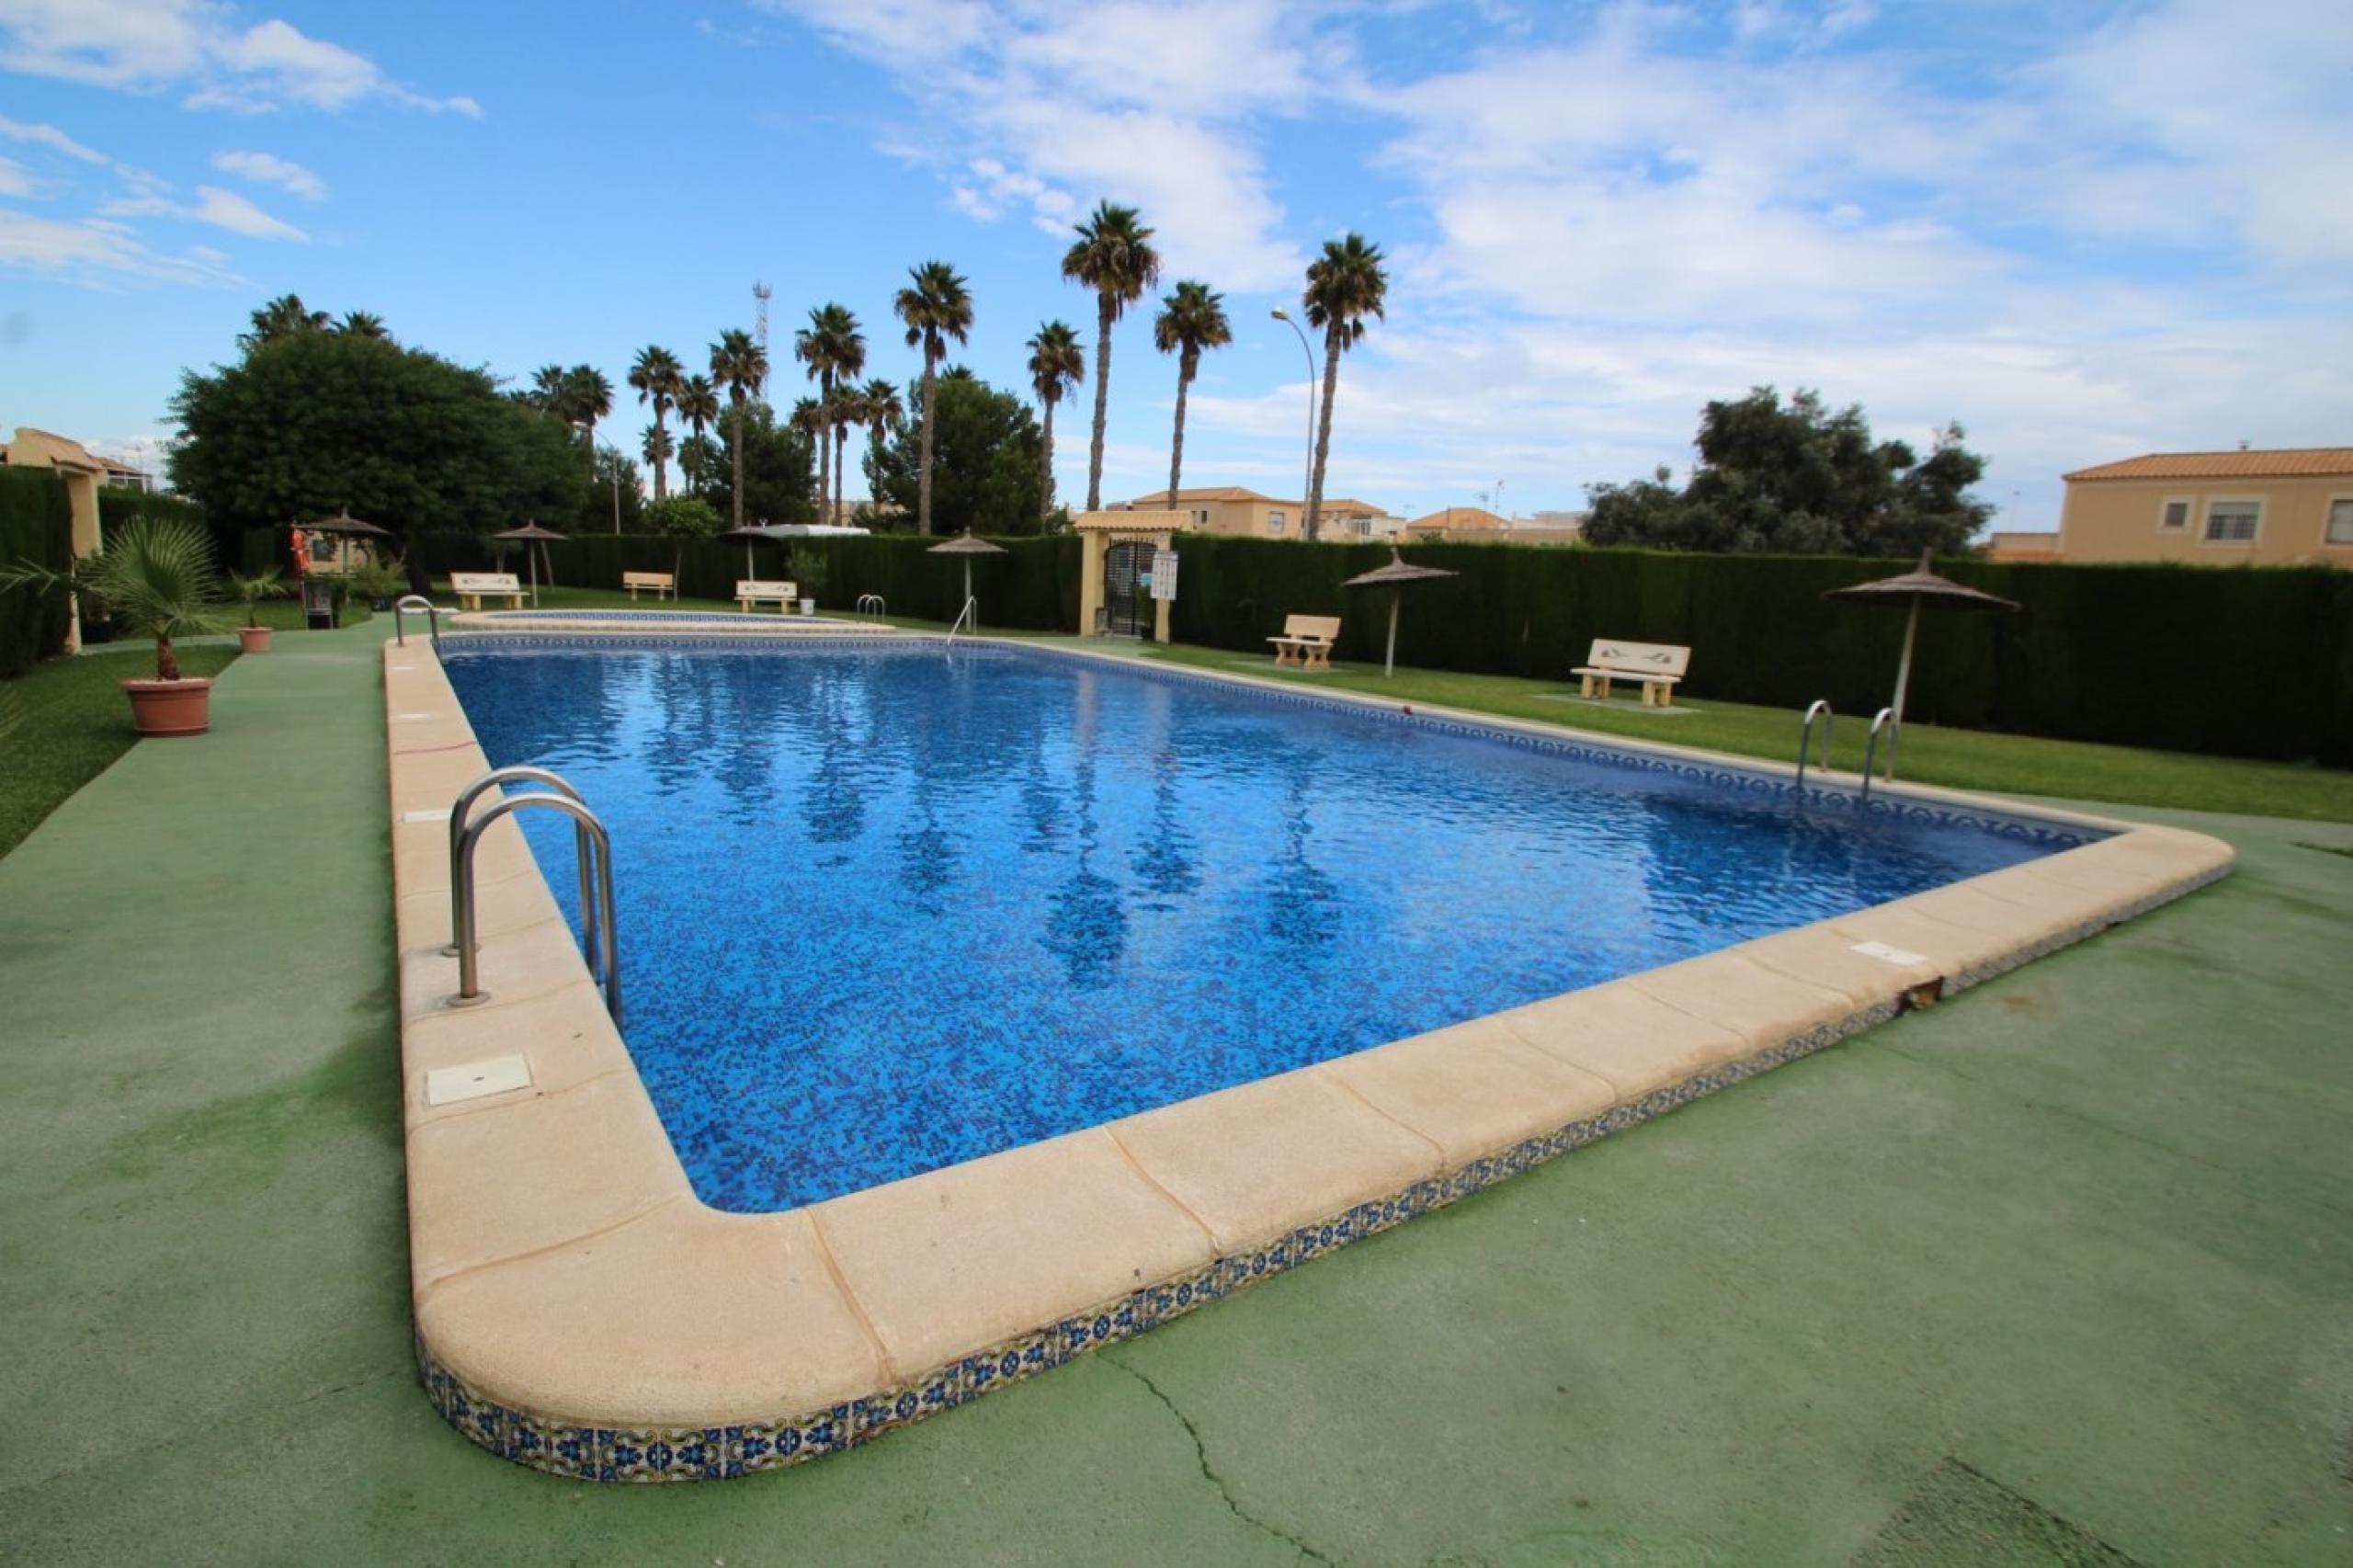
[{"x": 490, "y": 1075}]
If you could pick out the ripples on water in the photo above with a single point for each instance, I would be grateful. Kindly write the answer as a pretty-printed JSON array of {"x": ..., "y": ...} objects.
[{"x": 882, "y": 912}]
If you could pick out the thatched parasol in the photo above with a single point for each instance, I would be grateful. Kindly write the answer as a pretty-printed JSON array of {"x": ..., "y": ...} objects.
[
  {"x": 749, "y": 533},
  {"x": 965, "y": 545},
  {"x": 1396, "y": 574},
  {"x": 1911, "y": 590},
  {"x": 531, "y": 533}
]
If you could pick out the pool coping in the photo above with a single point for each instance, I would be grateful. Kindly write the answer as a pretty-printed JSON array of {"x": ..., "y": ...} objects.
[{"x": 578, "y": 1309}]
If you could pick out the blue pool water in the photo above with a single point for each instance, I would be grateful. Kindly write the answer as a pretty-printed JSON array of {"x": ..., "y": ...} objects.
[{"x": 885, "y": 909}]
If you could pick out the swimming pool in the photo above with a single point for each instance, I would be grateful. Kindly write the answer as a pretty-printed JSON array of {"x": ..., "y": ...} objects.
[{"x": 887, "y": 909}]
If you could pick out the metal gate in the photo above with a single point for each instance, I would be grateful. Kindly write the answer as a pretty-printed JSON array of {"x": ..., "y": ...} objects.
[{"x": 1127, "y": 599}]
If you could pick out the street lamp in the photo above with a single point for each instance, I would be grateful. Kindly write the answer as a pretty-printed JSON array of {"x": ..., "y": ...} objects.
[{"x": 1308, "y": 484}]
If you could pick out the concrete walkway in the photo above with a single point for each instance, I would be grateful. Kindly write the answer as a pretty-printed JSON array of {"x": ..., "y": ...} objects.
[{"x": 2060, "y": 1271}]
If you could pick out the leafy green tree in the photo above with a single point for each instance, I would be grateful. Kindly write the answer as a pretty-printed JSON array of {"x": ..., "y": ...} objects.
[
  {"x": 984, "y": 458},
  {"x": 936, "y": 306},
  {"x": 1345, "y": 285},
  {"x": 777, "y": 465},
  {"x": 683, "y": 516},
  {"x": 363, "y": 323},
  {"x": 616, "y": 500},
  {"x": 700, "y": 460},
  {"x": 699, "y": 403},
  {"x": 1800, "y": 479},
  {"x": 739, "y": 364},
  {"x": 311, "y": 422},
  {"x": 658, "y": 379},
  {"x": 1057, "y": 363},
  {"x": 587, "y": 398},
  {"x": 1191, "y": 319},
  {"x": 1114, "y": 257}
]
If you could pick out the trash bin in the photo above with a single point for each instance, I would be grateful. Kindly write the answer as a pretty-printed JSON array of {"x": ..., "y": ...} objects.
[{"x": 318, "y": 604}]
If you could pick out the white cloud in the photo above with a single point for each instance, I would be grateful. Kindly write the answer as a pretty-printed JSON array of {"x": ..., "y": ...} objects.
[
  {"x": 16, "y": 179},
  {"x": 201, "y": 46},
  {"x": 221, "y": 209},
  {"x": 99, "y": 253},
  {"x": 1162, "y": 123},
  {"x": 51, "y": 137},
  {"x": 265, "y": 168}
]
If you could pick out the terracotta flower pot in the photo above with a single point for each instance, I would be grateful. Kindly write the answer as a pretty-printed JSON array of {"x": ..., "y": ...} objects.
[
  {"x": 171, "y": 706},
  {"x": 256, "y": 638}
]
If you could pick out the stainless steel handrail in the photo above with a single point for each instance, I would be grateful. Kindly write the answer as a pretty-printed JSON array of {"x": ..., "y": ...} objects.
[
  {"x": 874, "y": 600},
  {"x": 1882, "y": 720},
  {"x": 1805, "y": 734},
  {"x": 970, "y": 606},
  {"x": 597, "y": 898},
  {"x": 464, "y": 805},
  {"x": 418, "y": 602}
]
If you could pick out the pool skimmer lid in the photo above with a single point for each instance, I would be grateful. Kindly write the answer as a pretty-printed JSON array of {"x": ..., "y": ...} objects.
[{"x": 490, "y": 1075}]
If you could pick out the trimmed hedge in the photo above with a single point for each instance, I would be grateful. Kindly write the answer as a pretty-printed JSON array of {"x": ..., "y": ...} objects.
[
  {"x": 2240, "y": 661},
  {"x": 2244, "y": 662},
  {"x": 35, "y": 525},
  {"x": 1032, "y": 588}
]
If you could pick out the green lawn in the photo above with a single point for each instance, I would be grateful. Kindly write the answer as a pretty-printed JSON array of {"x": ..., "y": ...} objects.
[
  {"x": 1964, "y": 759},
  {"x": 66, "y": 722}
]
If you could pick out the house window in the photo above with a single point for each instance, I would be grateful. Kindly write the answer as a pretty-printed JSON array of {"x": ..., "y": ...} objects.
[
  {"x": 2232, "y": 522},
  {"x": 1274, "y": 522},
  {"x": 1360, "y": 527},
  {"x": 2340, "y": 521},
  {"x": 1201, "y": 517},
  {"x": 2176, "y": 514}
]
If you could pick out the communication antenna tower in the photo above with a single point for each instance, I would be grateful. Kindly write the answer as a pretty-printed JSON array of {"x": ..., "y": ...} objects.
[{"x": 761, "y": 291}]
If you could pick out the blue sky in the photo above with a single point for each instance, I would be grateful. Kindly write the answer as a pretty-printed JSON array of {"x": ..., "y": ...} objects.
[{"x": 2083, "y": 231}]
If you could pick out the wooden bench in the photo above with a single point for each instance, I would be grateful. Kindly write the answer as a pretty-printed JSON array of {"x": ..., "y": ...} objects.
[
  {"x": 1307, "y": 641},
  {"x": 1657, "y": 666},
  {"x": 750, "y": 591},
  {"x": 472, "y": 587},
  {"x": 662, "y": 584}
]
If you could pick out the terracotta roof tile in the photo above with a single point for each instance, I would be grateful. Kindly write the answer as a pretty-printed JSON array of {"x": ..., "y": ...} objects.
[{"x": 2286, "y": 464}]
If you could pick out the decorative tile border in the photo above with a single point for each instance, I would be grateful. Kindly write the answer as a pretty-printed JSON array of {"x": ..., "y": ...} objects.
[{"x": 546, "y": 1442}]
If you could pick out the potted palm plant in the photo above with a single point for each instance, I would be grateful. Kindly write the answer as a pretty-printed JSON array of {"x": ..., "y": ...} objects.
[
  {"x": 156, "y": 576},
  {"x": 266, "y": 583}
]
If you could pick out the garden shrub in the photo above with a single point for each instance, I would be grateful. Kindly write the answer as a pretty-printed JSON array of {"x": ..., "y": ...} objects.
[{"x": 35, "y": 525}]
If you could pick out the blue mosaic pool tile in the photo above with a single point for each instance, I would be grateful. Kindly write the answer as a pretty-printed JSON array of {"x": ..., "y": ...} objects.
[{"x": 708, "y": 1453}]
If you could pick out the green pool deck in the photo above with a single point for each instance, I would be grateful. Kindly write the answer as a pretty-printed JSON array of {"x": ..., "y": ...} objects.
[{"x": 2059, "y": 1270}]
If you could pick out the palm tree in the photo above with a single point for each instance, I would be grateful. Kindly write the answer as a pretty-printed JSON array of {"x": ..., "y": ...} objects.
[
  {"x": 364, "y": 323},
  {"x": 658, "y": 449},
  {"x": 936, "y": 306},
  {"x": 1345, "y": 285},
  {"x": 741, "y": 365},
  {"x": 849, "y": 408},
  {"x": 697, "y": 403},
  {"x": 587, "y": 397},
  {"x": 834, "y": 349},
  {"x": 1112, "y": 257},
  {"x": 547, "y": 388},
  {"x": 1057, "y": 361},
  {"x": 657, "y": 376},
  {"x": 1191, "y": 319},
  {"x": 283, "y": 317},
  {"x": 885, "y": 416}
]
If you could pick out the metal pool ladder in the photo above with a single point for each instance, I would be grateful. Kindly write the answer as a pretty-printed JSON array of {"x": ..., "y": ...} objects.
[
  {"x": 871, "y": 603},
  {"x": 600, "y": 937},
  {"x": 1882, "y": 720},
  {"x": 1805, "y": 734},
  {"x": 971, "y": 605},
  {"x": 432, "y": 612}
]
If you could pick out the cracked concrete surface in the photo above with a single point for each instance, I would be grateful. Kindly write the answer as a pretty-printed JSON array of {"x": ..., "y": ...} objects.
[{"x": 2081, "y": 1230}]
